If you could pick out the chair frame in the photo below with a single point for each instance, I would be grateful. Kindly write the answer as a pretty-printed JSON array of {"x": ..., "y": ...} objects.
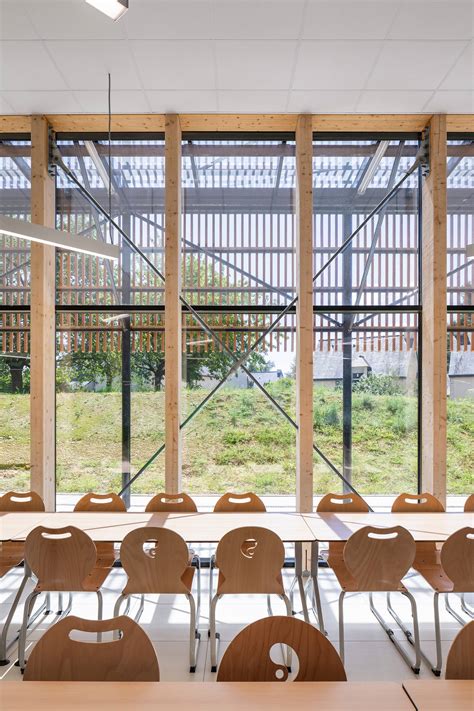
[
  {"x": 25, "y": 501},
  {"x": 413, "y": 636},
  {"x": 248, "y": 532},
  {"x": 61, "y": 613},
  {"x": 194, "y": 606}
]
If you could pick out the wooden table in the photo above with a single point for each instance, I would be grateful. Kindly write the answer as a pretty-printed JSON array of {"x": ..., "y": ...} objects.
[
  {"x": 193, "y": 527},
  {"x": 129, "y": 696},
  {"x": 422, "y": 526},
  {"x": 441, "y": 695}
]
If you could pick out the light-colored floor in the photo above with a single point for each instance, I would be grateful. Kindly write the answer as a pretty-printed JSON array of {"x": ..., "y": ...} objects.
[{"x": 369, "y": 653}]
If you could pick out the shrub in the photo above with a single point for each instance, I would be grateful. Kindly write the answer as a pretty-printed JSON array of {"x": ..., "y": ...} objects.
[{"x": 377, "y": 385}]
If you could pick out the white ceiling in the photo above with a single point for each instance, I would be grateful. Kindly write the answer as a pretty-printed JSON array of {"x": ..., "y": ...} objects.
[{"x": 262, "y": 56}]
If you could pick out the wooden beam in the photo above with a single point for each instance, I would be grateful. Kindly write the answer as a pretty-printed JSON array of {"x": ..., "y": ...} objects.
[
  {"x": 460, "y": 123},
  {"x": 434, "y": 351},
  {"x": 304, "y": 313},
  {"x": 238, "y": 122},
  {"x": 42, "y": 364},
  {"x": 92, "y": 123},
  {"x": 173, "y": 322},
  {"x": 370, "y": 122},
  {"x": 15, "y": 124}
]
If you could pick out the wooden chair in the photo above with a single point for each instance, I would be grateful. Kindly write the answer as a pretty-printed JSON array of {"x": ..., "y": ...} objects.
[
  {"x": 250, "y": 560},
  {"x": 57, "y": 657},
  {"x": 460, "y": 661},
  {"x": 171, "y": 503},
  {"x": 63, "y": 560},
  {"x": 376, "y": 559},
  {"x": 235, "y": 503},
  {"x": 99, "y": 503},
  {"x": 469, "y": 504},
  {"x": 162, "y": 569},
  {"x": 427, "y": 551},
  {"x": 453, "y": 574},
  {"x": 11, "y": 555},
  {"x": 335, "y": 503},
  {"x": 247, "y": 658}
]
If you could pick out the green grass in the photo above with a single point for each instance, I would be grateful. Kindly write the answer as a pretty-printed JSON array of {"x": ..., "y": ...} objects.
[{"x": 238, "y": 441}]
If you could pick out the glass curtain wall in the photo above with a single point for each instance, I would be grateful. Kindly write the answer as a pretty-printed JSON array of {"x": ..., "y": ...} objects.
[
  {"x": 110, "y": 318},
  {"x": 460, "y": 327},
  {"x": 15, "y": 190},
  {"x": 366, "y": 305},
  {"x": 238, "y": 277}
]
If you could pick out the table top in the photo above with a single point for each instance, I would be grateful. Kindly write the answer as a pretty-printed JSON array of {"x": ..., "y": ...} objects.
[
  {"x": 211, "y": 527},
  {"x": 422, "y": 526},
  {"x": 193, "y": 527},
  {"x": 441, "y": 695},
  {"x": 129, "y": 696}
]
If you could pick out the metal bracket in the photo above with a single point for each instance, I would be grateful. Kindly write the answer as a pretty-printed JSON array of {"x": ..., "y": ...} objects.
[
  {"x": 54, "y": 154},
  {"x": 424, "y": 153}
]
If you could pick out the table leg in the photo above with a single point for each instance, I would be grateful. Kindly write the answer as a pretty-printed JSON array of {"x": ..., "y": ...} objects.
[
  {"x": 314, "y": 578},
  {"x": 299, "y": 577}
]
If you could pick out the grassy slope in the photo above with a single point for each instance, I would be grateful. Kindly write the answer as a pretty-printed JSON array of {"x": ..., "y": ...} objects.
[{"x": 238, "y": 441}]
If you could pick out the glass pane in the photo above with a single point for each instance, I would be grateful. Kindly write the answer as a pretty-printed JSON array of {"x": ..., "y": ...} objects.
[
  {"x": 238, "y": 256},
  {"x": 380, "y": 265},
  {"x": 460, "y": 226},
  {"x": 460, "y": 427},
  {"x": 366, "y": 402}
]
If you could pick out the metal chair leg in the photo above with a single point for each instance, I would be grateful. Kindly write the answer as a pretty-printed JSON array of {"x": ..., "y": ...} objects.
[
  {"x": 100, "y": 607},
  {"x": 439, "y": 655},
  {"x": 289, "y": 612},
  {"x": 194, "y": 636},
  {"x": 464, "y": 606},
  {"x": 29, "y": 602},
  {"x": 317, "y": 604},
  {"x": 452, "y": 611},
  {"x": 3, "y": 639},
  {"x": 391, "y": 635},
  {"x": 341, "y": 625},
  {"x": 408, "y": 634},
  {"x": 212, "y": 632}
]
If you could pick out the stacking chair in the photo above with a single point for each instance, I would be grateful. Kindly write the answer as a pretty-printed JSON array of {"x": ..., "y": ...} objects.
[
  {"x": 469, "y": 504},
  {"x": 426, "y": 551},
  {"x": 460, "y": 662},
  {"x": 375, "y": 560},
  {"x": 57, "y": 657},
  {"x": 249, "y": 560},
  {"x": 335, "y": 503},
  {"x": 453, "y": 574},
  {"x": 239, "y": 503},
  {"x": 12, "y": 553},
  {"x": 171, "y": 503},
  {"x": 63, "y": 560},
  {"x": 100, "y": 503},
  {"x": 247, "y": 658},
  {"x": 164, "y": 568}
]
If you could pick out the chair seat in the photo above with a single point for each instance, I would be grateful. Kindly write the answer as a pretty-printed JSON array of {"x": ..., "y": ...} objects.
[
  {"x": 434, "y": 576},
  {"x": 92, "y": 583},
  {"x": 221, "y": 581},
  {"x": 345, "y": 579}
]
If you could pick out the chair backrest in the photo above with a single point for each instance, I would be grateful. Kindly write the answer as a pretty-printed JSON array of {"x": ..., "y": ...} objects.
[
  {"x": 100, "y": 502},
  {"x": 378, "y": 558},
  {"x": 57, "y": 657},
  {"x": 157, "y": 569},
  {"x": 469, "y": 504},
  {"x": 460, "y": 661},
  {"x": 417, "y": 503},
  {"x": 247, "y": 658},
  {"x": 339, "y": 503},
  {"x": 171, "y": 503},
  {"x": 21, "y": 501},
  {"x": 457, "y": 559},
  {"x": 230, "y": 502},
  {"x": 250, "y": 560},
  {"x": 61, "y": 558}
]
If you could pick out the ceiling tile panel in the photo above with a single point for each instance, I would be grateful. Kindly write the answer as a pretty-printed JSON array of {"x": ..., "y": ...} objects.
[
  {"x": 326, "y": 102},
  {"x": 334, "y": 65},
  {"x": 433, "y": 20},
  {"x": 182, "y": 101},
  {"x": 27, "y": 65},
  {"x": 174, "y": 65},
  {"x": 254, "y": 65},
  {"x": 348, "y": 20}
]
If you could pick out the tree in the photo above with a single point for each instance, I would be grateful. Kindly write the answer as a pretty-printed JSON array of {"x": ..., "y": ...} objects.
[
  {"x": 86, "y": 367},
  {"x": 150, "y": 364},
  {"x": 11, "y": 372}
]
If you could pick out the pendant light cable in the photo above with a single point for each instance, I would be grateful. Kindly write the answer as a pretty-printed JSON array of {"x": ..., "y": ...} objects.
[{"x": 109, "y": 98}]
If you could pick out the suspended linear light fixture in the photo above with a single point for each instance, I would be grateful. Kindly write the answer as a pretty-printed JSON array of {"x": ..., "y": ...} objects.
[
  {"x": 112, "y": 8},
  {"x": 373, "y": 165},
  {"x": 99, "y": 165},
  {"x": 56, "y": 238}
]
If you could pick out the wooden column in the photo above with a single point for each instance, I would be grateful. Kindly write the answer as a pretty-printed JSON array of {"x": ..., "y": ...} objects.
[
  {"x": 304, "y": 313},
  {"x": 43, "y": 353},
  {"x": 173, "y": 349},
  {"x": 434, "y": 352}
]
